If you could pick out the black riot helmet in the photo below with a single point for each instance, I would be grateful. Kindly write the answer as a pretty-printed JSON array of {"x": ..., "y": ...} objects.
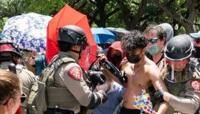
[
  {"x": 71, "y": 35},
  {"x": 179, "y": 47}
]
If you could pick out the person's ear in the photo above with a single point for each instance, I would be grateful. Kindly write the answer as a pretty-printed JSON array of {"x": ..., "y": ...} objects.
[
  {"x": 143, "y": 51},
  {"x": 10, "y": 103}
]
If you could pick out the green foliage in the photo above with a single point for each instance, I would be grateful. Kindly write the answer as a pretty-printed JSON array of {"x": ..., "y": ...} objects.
[
  {"x": 116, "y": 21},
  {"x": 2, "y": 23},
  {"x": 132, "y": 5},
  {"x": 9, "y": 8},
  {"x": 46, "y": 7},
  {"x": 124, "y": 10}
]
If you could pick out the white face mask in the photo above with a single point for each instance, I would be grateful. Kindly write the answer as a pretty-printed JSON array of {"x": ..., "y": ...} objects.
[{"x": 154, "y": 49}]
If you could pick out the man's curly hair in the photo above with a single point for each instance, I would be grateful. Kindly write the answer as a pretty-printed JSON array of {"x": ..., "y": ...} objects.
[{"x": 133, "y": 40}]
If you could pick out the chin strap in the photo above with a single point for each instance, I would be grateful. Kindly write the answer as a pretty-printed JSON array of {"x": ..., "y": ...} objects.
[
  {"x": 76, "y": 51},
  {"x": 79, "y": 52}
]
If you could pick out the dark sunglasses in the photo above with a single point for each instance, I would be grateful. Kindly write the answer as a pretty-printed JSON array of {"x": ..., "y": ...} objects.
[{"x": 153, "y": 40}]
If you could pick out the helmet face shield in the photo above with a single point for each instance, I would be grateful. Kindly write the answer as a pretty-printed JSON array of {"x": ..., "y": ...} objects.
[
  {"x": 178, "y": 71},
  {"x": 178, "y": 65},
  {"x": 176, "y": 61}
]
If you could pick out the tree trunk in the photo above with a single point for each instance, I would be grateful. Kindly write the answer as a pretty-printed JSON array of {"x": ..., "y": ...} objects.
[
  {"x": 187, "y": 21},
  {"x": 132, "y": 21}
]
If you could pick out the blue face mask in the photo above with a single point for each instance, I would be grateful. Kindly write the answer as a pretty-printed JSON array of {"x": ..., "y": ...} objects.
[{"x": 154, "y": 49}]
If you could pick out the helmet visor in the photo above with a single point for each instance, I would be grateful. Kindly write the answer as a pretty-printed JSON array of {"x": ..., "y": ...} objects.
[
  {"x": 178, "y": 65},
  {"x": 169, "y": 61}
]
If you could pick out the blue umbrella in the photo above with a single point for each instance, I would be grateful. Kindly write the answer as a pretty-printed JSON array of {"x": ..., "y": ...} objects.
[
  {"x": 118, "y": 30},
  {"x": 103, "y": 36},
  {"x": 28, "y": 31}
]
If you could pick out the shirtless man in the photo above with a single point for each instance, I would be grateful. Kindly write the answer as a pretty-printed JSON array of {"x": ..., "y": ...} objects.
[{"x": 141, "y": 72}]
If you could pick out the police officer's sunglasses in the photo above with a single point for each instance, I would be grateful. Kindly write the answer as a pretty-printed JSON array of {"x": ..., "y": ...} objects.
[{"x": 153, "y": 40}]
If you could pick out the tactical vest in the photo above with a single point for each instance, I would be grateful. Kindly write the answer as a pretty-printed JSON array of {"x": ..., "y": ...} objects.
[
  {"x": 58, "y": 97},
  {"x": 43, "y": 92}
]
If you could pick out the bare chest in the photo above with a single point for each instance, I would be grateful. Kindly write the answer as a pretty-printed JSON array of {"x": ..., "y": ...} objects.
[{"x": 137, "y": 78}]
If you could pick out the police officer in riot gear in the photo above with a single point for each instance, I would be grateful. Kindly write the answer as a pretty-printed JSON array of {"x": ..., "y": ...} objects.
[
  {"x": 10, "y": 58},
  {"x": 8, "y": 54},
  {"x": 183, "y": 85},
  {"x": 71, "y": 77}
]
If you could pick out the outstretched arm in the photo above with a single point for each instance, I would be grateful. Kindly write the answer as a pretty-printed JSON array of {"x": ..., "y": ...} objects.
[
  {"x": 156, "y": 79},
  {"x": 185, "y": 105},
  {"x": 160, "y": 86}
]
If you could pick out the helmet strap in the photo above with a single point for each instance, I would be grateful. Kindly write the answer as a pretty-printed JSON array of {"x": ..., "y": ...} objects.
[
  {"x": 79, "y": 52},
  {"x": 75, "y": 51}
]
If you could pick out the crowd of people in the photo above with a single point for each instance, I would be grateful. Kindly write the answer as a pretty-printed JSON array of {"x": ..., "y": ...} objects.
[{"x": 149, "y": 72}]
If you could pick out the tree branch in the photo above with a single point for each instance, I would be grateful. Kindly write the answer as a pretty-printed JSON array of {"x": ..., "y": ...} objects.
[
  {"x": 92, "y": 1},
  {"x": 141, "y": 9},
  {"x": 172, "y": 14},
  {"x": 93, "y": 16},
  {"x": 112, "y": 12},
  {"x": 191, "y": 10},
  {"x": 82, "y": 5},
  {"x": 75, "y": 2}
]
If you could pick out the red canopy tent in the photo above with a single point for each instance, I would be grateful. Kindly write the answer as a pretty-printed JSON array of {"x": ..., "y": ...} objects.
[{"x": 67, "y": 16}]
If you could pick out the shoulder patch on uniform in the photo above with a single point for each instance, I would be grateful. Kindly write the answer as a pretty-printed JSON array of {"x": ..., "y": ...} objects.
[
  {"x": 75, "y": 73},
  {"x": 196, "y": 85}
]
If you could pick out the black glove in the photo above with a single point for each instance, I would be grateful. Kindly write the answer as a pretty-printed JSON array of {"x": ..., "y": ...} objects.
[
  {"x": 95, "y": 78},
  {"x": 158, "y": 97}
]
